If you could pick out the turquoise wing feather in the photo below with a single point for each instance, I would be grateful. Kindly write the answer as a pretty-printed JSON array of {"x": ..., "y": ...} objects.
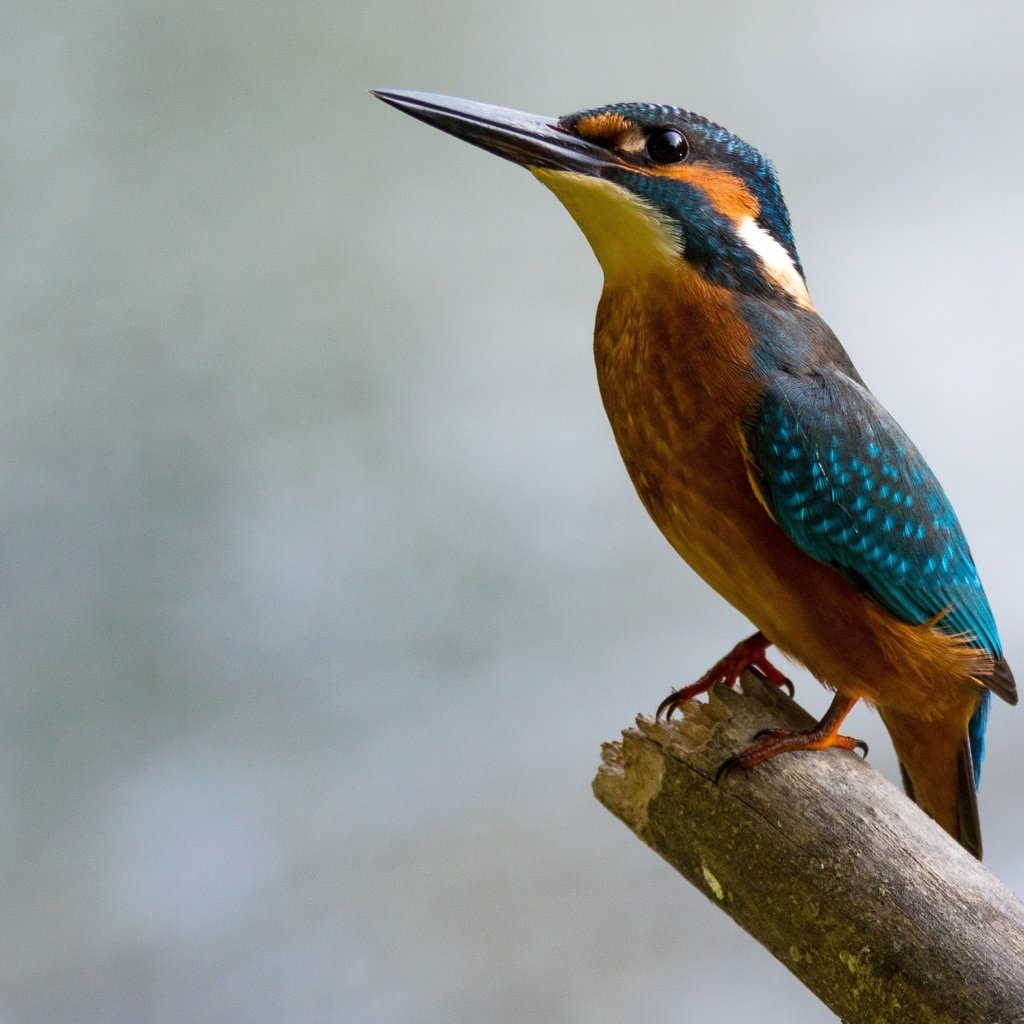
[{"x": 848, "y": 487}]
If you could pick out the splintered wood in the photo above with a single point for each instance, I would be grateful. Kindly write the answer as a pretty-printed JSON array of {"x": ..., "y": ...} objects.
[{"x": 829, "y": 866}]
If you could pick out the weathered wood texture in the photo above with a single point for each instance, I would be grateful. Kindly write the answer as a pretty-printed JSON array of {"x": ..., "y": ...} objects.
[{"x": 872, "y": 906}]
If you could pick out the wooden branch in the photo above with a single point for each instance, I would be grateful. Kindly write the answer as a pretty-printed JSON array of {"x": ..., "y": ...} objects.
[{"x": 852, "y": 888}]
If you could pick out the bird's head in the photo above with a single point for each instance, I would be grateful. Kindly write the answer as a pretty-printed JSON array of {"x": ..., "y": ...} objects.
[{"x": 650, "y": 186}]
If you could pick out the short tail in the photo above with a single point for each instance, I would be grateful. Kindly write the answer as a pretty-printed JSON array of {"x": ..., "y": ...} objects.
[
  {"x": 976, "y": 734},
  {"x": 941, "y": 763}
]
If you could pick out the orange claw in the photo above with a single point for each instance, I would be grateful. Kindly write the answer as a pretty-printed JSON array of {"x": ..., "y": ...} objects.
[
  {"x": 780, "y": 741},
  {"x": 749, "y": 653}
]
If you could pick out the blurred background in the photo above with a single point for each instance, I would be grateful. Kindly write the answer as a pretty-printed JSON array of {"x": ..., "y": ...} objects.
[{"x": 322, "y": 579}]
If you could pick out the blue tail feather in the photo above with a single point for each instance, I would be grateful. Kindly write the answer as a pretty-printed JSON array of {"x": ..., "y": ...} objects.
[{"x": 976, "y": 733}]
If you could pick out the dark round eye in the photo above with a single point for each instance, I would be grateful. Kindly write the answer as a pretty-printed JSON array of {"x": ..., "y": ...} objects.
[{"x": 667, "y": 146}]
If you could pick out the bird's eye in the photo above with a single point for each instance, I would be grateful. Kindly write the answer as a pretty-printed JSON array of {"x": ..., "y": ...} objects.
[{"x": 667, "y": 146}]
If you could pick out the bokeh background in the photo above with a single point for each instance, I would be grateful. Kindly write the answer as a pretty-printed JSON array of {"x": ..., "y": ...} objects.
[{"x": 322, "y": 581}]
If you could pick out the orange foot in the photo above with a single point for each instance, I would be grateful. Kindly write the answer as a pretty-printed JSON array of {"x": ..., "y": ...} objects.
[
  {"x": 778, "y": 741},
  {"x": 749, "y": 653}
]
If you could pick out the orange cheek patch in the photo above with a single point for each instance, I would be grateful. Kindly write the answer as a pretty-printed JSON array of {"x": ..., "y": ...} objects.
[
  {"x": 602, "y": 126},
  {"x": 727, "y": 193}
]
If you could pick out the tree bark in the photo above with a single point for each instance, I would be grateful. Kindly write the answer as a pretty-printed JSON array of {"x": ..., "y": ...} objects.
[{"x": 852, "y": 888}]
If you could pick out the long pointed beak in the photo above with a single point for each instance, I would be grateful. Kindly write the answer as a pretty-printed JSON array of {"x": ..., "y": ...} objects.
[{"x": 526, "y": 139}]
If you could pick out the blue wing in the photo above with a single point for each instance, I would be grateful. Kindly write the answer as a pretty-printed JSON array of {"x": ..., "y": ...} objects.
[{"x": 848, "y": 487}]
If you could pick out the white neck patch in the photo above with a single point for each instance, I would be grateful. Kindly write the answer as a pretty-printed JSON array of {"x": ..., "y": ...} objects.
[
  {"x": 629, "y": 236},
  {"x": 776, "y": 260}
]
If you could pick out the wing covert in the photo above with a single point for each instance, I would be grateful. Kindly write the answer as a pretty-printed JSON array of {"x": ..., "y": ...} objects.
[{"x": 848, "y": 487}]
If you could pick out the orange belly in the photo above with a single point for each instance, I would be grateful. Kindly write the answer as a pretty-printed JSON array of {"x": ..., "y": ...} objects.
[{"x": 674, "y": 373}]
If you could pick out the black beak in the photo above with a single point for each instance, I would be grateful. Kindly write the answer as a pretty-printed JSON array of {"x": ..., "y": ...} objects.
[{"x": 526, "y": 139}]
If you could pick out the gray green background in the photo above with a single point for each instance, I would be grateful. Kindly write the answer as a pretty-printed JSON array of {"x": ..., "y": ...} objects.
[{"x": 322, "y": 582}]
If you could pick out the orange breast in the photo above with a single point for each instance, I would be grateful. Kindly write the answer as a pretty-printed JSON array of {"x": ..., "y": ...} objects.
[{"x": 674, "y": 368}]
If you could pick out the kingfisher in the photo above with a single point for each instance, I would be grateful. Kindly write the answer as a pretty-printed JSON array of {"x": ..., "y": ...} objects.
[{"x": 754, "y": 443}]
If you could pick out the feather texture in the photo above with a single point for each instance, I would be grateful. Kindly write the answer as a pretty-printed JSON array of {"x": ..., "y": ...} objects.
[{"x": 849, "y": 488}]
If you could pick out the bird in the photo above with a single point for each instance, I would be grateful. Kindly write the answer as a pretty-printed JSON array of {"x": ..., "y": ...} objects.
[{"x": 754, "y": 443}]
